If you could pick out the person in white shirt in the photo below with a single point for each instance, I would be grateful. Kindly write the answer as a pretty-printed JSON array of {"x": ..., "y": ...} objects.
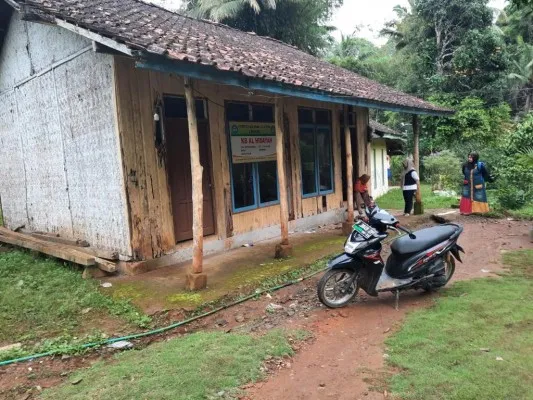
[{"x": 410, "y": 182}]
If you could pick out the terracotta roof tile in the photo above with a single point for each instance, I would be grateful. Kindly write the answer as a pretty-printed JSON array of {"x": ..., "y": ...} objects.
[{"x": 155, "y": 30}]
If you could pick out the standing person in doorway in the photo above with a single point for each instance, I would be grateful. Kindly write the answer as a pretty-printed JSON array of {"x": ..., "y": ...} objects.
[
  {"x": 410, "y": 182},
  {"x": 474, "y": 198},
  {"x": 361, "y": 196}
]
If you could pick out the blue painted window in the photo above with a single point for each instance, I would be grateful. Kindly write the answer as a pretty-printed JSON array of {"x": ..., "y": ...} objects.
[
  {"x": 316, "y": 153},
  {"x": 254, "y": 184}
]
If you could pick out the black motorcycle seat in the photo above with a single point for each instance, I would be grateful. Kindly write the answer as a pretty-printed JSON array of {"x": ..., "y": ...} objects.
[{"x": 425, "y": 239}]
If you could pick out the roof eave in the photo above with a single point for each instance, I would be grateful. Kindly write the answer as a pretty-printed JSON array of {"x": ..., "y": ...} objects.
[{"x": 211, "y": 73}]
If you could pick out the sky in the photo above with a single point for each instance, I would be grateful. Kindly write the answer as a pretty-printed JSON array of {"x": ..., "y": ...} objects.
[
  {"x": 365, "y": 16},
  {"x": 369, "y": 16}
]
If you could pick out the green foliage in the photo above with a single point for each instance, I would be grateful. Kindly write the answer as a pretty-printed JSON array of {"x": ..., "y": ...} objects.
[
  {"x": 452, "y": 350},
  {"x": 301, "y": 23},
  {"x": 442, "y": 170},
  {"x": 473, "y": 127},
  {"x": 42, "y": 298},
  {"x": 196, "y": 366},
  {"x": 397, "y": 169},
  {"x": 511, "y": 198},
  {"x": 514, "y": 172}
]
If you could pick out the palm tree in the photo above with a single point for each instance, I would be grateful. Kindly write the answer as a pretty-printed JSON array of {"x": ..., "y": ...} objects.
[
  {"x": 218, "y": 10},
  {"x": 521, "y": 78}
]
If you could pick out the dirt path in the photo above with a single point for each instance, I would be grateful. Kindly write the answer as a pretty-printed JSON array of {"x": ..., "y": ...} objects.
[
  {"x": 347, "y": 356},
  {"x": 344, "y": 360}
]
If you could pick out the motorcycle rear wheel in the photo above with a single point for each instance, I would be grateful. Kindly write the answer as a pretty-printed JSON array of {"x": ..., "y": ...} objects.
[
  {"x": 332, "y": 288},
  {"x": 441, "y": 280}
]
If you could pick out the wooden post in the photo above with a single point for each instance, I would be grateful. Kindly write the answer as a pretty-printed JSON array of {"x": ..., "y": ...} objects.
[
  {"x": 195, "y": 279},
  {"x": 284, "y": 249},
  {"x": 419, "y": 207},
  {"x": 347, "y": 226},
  {"x": 416, "y": 140}
]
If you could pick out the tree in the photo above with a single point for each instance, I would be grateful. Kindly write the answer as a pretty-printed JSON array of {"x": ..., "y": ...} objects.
[
  {"x": 450, "y": 46},
  {"x": 218, "y": 10},
  {"x": 301, "y": 23},
  {"x": 521, "y": 76}
]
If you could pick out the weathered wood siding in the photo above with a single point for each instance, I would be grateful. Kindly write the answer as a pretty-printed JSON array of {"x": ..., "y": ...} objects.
[
  {"x": 59, "y": 156},
  {"x": 149, "y": 197}
]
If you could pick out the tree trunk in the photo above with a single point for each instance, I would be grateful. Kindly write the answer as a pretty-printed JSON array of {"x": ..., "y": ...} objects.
[{"x": 197, "y": 187}]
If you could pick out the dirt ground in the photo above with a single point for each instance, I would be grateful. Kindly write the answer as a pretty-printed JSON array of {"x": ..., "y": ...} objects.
[{"x": 344, "y": 359}]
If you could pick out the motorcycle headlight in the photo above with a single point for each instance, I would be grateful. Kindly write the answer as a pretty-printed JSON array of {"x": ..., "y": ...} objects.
[{"x": 350, "y": 247}]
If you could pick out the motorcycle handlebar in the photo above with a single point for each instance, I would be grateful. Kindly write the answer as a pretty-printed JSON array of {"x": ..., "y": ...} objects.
[{"x": 401, "y": 228}]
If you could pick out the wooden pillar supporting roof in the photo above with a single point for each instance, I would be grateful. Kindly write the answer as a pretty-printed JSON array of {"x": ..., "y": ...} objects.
[
  {"x": 419, "y": 208},
  {"x": 284, "y": 249},
  {"x": 196, "y": 279},
  {"x": 347, "y": 226}
]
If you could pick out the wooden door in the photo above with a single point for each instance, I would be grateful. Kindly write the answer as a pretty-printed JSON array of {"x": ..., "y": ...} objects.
[{"x": 180, "y": 179}]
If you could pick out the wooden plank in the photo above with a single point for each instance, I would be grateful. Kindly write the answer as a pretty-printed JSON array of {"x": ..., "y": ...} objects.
[
  {"x": 58, "y": 239},
  {"x": 51, "y": 249},
  {"x": 99, "y": 253},
  {"x": 105, "y": 265},
  {"x": 166, "y": 225},
  {"x": 335, "y": 199},
  {"x": 292, "y": 114},
  {"x": 349, "y": 168},
  {"x": 197, "y": 187},
  {"x": 219, "y": 169},
  {"x": 282, "y": 180},
  {"x": 127, "y": 101}
]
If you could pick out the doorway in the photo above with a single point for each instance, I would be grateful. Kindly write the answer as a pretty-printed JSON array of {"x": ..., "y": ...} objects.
[{"x": 179, "y": 166}]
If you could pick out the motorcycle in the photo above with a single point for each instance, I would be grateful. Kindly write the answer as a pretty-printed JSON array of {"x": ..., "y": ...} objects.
[{"x": 424, "y": 259}]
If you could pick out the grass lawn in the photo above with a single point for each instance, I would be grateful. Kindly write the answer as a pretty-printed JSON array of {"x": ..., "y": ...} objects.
[
  {"x": 475, "y": 343},
  {"x": 197, "y": 366},
  {"x": 393, "y": 200},
  {"x": 44, "y": 299}
]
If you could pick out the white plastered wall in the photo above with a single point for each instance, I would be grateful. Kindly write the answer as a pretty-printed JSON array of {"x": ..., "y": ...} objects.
[
  {"x": 378, "y": 167},
  {"x": 60, "y": 165}
]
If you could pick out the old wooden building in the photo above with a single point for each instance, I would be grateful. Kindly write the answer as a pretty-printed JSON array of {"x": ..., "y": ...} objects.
[{"x": 95, "y": 129}]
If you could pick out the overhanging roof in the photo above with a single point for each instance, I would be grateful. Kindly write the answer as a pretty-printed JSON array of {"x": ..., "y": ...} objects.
[{"x": 163, "y": 40}]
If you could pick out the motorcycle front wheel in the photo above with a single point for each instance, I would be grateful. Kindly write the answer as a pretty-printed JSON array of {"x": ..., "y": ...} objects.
[{"x": 334, "y": 289}]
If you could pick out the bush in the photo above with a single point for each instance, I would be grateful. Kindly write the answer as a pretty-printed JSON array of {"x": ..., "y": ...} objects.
[
  {"x": 443, "y": 170},
  {"x": 511, "y": 199},
  {"x": 514, "y": 168}
]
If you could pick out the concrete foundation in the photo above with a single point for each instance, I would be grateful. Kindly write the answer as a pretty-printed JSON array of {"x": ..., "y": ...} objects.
[{"x": 196, "y": 281}]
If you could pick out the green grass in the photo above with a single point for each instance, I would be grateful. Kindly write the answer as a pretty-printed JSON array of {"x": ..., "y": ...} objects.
[
  {"x": 47, "y": 304},
  {"x": 197, "y": 366},
  {"x": 439, "y": 350},
  {"x": 393, "y": 200}
]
